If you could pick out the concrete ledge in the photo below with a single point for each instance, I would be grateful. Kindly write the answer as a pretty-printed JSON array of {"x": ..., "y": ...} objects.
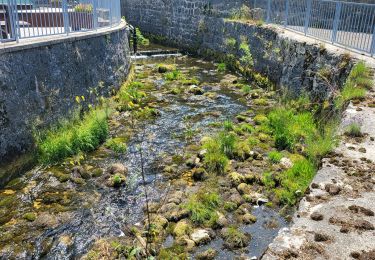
[{"x": 37, "y": 42}]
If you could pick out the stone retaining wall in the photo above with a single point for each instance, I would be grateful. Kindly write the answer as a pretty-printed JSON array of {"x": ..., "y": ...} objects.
[
  {"x": 201, "y": 26},
  {"x": 39, "y": 82}
]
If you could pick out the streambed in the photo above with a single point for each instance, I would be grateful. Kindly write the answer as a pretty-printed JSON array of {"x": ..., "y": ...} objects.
[{"x": 45, "y": 215}]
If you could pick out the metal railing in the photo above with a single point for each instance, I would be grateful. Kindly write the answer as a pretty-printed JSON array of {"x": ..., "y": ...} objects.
[
  {"x": 20, "y": 19},
  {"x": 343, "y": 23}
]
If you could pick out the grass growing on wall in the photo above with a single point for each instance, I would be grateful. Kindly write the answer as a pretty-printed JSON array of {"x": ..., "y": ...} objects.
[
  {"x": 74, "y": 136},
  {"x": 355, "y": 87}
]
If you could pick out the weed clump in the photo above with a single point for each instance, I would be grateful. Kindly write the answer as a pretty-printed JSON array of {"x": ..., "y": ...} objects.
[
  {"x": 202, "y": 207},
  {"x": 353, "y": 130},
  {"x": 295, "y": 181},
  {"x": 77, "y": 135},
  {"x": 275, "y": 156},
  {"x": 116, "y": 144},
  {"x": 355, "y": 86}
]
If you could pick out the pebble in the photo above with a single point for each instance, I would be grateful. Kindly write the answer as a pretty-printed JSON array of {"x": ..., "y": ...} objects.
[{"x": 316, "y": 216}]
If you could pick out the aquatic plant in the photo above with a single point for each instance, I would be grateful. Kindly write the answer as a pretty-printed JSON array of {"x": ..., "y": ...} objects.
[
  {"x": 221, "y": 67},
  {"x": 295, "y": 181},
  {"x": 246, "y": 89},
  {"x": 173, "y": 75},
  {"x": 275, "y": 156},
  {"x": 116, "y": 144},
  {"x": 74, "y": 136},
  {"x": 291, "y": 127},
  {"x": 202, "y": 206}
]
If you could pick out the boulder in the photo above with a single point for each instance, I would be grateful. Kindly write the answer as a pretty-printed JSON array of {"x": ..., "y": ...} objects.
[
  {"x": 118, "y": 168},
  {"x": 200, "y": 236}
]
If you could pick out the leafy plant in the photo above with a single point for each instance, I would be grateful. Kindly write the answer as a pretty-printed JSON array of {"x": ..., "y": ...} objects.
[
  {"x": 221, "y": 67},
  {"x": 143, "y": 41}
]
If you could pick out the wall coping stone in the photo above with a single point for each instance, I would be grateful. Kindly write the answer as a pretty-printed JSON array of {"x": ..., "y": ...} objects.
[{"x": 57, "y": 39}]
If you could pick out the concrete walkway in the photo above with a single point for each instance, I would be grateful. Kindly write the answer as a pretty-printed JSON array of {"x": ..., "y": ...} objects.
[{"x": 336, "y": 219}]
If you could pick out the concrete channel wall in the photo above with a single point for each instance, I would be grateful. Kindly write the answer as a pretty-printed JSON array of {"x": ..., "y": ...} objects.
[{"x": 40, "y": 79}]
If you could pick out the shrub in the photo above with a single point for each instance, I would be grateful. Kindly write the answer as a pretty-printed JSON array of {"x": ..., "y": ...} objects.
[
  {"x": 247, "y": 58},
  {"x": 75, "y": 136},
  {"x": 242, "y": 13},
  {"x": 275, "y": 157},
  {"x": 353, "y": 130},
  {"x": 143, "y": 41}
]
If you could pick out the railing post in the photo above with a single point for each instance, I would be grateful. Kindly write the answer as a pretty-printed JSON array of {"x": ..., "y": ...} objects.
[
  {"x": 336, "y": 21},
  {"x": 110, "y": 14},
  {"x": 268, "y": 11},
  {"x": 286, "y": 13},
  {"x": 372, "y": 50},
  {"x": 13, "y": 18},
  {"x": 308, "y": 14},
  {"x": 95, "y": 13},
  {"x": 65, "y": 16}
]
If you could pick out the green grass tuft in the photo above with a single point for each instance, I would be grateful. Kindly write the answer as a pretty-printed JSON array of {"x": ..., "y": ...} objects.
[
  {"x": 75, "y": 136},
  {"x": 353, "y": 130},
  {"x": 295, "y": 181},
  {"x": 202, "y": 206},
  {"x": 275, "y": 157}
]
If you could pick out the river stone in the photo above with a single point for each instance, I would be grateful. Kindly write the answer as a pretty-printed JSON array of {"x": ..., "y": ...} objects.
[
  {"x": 182, "y": 228},
  {"x": 201, "y": 236},
  {"x": 286, "y": 163},
  {"x": 236, "y": 178},
  {"x": 249, "y": 218},
  {"x": 199, "y": 174},
  {"x": 185, "y": 242},
  {"x": 244, "y": 188},
  {"x": 46, "y": 220},
  {"x": 118, "y": 168},
  {"x": 222, "y": 221},
  {"x": 194, "y": 89},
  {"x": 209, "y": 254}
]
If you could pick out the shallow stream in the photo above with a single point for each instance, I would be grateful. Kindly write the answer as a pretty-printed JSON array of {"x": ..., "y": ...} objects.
[{"x": 72, "y": 215}]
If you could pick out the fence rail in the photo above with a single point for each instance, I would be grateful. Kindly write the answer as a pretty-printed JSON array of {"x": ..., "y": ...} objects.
[
  {"x": 343, "y": 23},
  {"x": 20, "y": 19}
]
